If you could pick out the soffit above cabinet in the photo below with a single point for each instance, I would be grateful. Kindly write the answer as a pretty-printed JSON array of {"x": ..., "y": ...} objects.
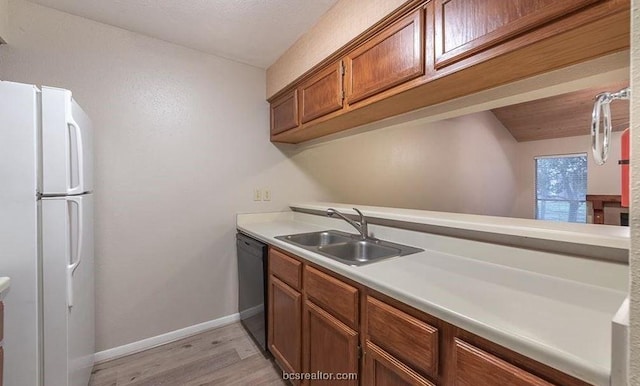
[
  {"x": 254, "y": 32},
  {"x": 564, "y": 115}
]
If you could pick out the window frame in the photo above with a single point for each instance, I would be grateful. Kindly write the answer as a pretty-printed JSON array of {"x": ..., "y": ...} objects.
[{"x": 535, "y": 182}]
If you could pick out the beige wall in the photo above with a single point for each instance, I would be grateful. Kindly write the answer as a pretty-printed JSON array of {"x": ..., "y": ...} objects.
[
  {"x": 603, "y": 179},
  {"x": 4, "y": 20},
  {"x": 469, "y": 164},
  {"x": 343, "y": 22},
  {"x": 634, "y": 360},
  {"x": 181, "y": 140},
  {"x": 462, "y": 165}
]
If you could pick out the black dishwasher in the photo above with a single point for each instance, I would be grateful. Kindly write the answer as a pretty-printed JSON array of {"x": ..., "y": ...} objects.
[{"x": 252, "y": 287}]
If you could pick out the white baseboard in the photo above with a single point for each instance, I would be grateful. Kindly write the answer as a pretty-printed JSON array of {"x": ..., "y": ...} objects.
[{"x": 145, "y": 344}]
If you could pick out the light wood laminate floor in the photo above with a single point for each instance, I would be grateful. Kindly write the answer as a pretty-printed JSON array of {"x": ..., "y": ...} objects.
[{"x": 223, "y": 356}]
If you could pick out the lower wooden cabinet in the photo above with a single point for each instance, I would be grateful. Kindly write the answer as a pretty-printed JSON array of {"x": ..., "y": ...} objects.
[
  {"x": 332, "y": 325},
  {"x": 285, "y": 325},
  {"x": 1, "y": 339},
  {"x": 330, "y": 346},
  {"x": 382, "y": 369}
]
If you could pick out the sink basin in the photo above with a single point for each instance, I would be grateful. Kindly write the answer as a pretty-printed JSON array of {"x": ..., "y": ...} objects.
[
  {"x": 317, "y": 239},
  {"x": 359, "y": 251},
  {"x": 348, "y": 248}
]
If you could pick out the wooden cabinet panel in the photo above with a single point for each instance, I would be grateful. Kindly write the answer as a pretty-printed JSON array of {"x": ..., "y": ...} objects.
[
  {"x": 284, "y": 113},
  {"x": 286, "y": 268},
  {"x": 285, "y": 325},
  {"x": 329, "y": 346},
  {"x": 409, "y": 339},
  {"x": 322, "y": 94},
  {"x": 335, "y": 296},
  {"x": 393, "y": 56},
  {"x": 475, "y": 367},
  {"x": 466, "y": 27},
  {"x": 382, "y": 369},
  {"x": 1, "y": 322},
  {"x": 1, "y": 366}
]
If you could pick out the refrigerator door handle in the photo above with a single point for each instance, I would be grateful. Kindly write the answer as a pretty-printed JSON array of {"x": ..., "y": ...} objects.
[
  {"x": 71, "y": 268},
  {"x": 73, "y": 125}
]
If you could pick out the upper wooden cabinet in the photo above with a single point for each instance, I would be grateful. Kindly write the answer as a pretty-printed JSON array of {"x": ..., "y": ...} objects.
[
  {"x": 431, "y": 51},
  {"x": 322, "y": 94},
  {"x": 393, "y": 56},
  {"x": 284, "y": 113},
  {"x": 466, "y": 27}
]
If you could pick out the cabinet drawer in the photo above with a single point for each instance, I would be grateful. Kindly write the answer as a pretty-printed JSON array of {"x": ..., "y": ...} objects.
[
  {"x": 322, "y": 94},
  {"x": 405, "y": 337},
  {"x": 380, "y": 368},
  {"x": 394, "y": 56},
  {"x": 285, "y": 268},
  {"x": 335, "y": 296},
  {"x": 284, "y": 113},
  {"x": 467, "y": 27},
  {"x": 477, "y": 367}
]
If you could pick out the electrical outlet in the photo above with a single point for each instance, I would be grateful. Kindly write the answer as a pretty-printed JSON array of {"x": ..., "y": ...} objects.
[
  {"x": 257, "y": 195},
  {"x": 266, "y": 196}
]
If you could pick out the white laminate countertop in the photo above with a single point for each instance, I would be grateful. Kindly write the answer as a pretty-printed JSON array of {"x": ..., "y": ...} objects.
[
  {"x": 565, "y": 324},
  {"x": 588, "y": 234},
  {"x": 5, "y": 282}
]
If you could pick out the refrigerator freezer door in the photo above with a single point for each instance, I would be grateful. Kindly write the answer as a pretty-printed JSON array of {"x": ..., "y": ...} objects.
[
  {"x": 67, "y": 145},
  {"x": 68, "y": 289}
]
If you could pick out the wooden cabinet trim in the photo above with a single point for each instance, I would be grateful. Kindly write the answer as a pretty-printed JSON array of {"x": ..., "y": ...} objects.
[
  {"x": 416, "y": 69},
  {"x": 477, "y": 367},
  {"x": 284, "y": 113},
  {"x": 522, "y": 25},
  {"x": 332, "y": 294},
  {"x": 286, "y": 268},
  {"x": 349, "y": 335},
  {"x": 322, "y": 94},
  {"x": 288, "y": 364},
  {"x": 373, "y": 354}
]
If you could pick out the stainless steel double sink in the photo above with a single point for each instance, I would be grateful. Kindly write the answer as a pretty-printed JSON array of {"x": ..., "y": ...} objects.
[{"x": 348, "y": 248}]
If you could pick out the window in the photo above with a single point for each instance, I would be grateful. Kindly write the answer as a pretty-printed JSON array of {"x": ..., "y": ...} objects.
[{"x": 561, "y": 188}]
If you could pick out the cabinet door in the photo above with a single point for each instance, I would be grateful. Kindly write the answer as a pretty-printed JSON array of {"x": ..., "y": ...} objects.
[
  {"x": 330, "y": 346},
  {"x": 475, "y": 367},
  {"x": 284, "y": 113},
  {"x": 285, "y": 325},
  {"x": 467, "y": 27},
  {"x": 393, "y": 56},
  {"x": 322, "y": 94},
  {"x": 382, "y": 369}
]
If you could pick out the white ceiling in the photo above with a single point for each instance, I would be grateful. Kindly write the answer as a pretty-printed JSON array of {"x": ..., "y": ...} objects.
[{"x": 255, "y": 32}]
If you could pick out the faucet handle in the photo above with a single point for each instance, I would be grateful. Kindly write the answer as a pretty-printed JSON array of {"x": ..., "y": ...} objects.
[{"x": 360, "y": 214}]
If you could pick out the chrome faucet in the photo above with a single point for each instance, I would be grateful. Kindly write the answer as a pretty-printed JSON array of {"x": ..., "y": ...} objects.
[{"x": 361, "y": 225}]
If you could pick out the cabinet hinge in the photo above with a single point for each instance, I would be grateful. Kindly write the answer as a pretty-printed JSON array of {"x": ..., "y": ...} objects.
[
  {"x": 360, "y": 352},
  {"x": 342, "y": 68},
  {"x": 342, "y": 94}
]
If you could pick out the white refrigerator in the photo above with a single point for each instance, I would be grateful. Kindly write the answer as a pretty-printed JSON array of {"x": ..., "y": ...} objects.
[{"x": 46, "y": 236}]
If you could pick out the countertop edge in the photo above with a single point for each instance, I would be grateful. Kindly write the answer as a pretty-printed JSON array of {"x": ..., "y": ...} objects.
[{"x": 588, "y": 234}]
